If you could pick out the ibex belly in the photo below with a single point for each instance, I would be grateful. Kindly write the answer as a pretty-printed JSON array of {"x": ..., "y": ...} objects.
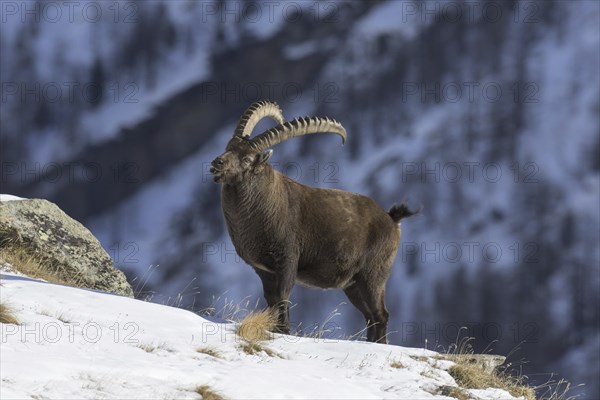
[{"x": 328, "y": 275}]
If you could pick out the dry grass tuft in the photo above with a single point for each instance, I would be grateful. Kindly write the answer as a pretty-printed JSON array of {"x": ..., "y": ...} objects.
[
  {"x": 151, "y": 347},
  {"x": 252, "y": 348},
  {"x": 229, "y": 310},
  {"x": 34, "y": 265},
  {"x": 557, "y": 390},
  {"x": 7, "y": 316},
  {"x": 454, "y": 392},
  {"x": 397, "y": 364},
  {"x": 208, "y": 394},
  {"x": 209, "y": 351},
  {"x": 257, "y": 326},
  {"x": 147, "y": 347},
  {"x": 472, "y": 376},
  {"x": 420, "y": 358}
]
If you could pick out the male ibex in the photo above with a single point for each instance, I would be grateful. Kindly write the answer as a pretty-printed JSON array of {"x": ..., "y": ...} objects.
[{"x": 289, "y": 232}]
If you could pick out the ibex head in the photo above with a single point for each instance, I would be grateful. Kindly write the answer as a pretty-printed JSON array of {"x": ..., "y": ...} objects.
[{"x": 245, "y": 157}]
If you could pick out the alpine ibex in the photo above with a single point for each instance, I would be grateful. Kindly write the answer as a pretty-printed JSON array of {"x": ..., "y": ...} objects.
[{"x": 291, "y": 233}]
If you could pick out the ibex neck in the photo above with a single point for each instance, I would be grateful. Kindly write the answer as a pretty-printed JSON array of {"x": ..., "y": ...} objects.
[{"x": 249, "y": 196}]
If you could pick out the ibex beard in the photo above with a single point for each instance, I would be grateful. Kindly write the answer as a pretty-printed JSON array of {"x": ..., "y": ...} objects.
[{"x": 291, "y": 233}]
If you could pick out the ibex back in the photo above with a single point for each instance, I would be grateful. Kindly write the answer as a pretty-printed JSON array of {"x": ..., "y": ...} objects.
[{"x": 291, "y": 233}]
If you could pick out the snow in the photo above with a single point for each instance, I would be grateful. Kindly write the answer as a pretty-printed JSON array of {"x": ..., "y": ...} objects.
[
  {"x": 74, "y": 43},
  {"x": 301, "y": 50},
  {"x": 87, "y": 344},
  {"x": 9, "y": 197},
  {"x": 137, "y": 102},
  {"x": 391, "y": 17}
]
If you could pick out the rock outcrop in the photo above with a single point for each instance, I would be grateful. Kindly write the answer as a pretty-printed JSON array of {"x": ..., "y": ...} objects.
[{"x": 58, "y": 243}]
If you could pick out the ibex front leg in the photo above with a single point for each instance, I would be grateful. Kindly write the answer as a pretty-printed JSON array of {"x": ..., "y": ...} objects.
[{"x": 277, "y": 287}]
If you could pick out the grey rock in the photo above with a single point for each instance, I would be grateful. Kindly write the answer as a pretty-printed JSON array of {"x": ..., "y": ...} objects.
[{"x": 45, "y": 232}]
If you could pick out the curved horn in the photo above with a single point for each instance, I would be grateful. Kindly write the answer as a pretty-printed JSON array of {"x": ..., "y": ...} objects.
[
  {"x": 253, "y": 114},
  {"x": 297, "y": 127}
]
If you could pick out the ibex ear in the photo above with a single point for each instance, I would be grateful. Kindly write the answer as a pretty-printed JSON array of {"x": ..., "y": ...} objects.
[{"x": 264, "y": 157}]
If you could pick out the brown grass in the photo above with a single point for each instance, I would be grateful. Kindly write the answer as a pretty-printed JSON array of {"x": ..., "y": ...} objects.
[
  {"x": 420, "y": 358},
  {"x": 209, "y": 351},
  {"x": 207, "y": 393},
  {"x": 151, "y": 347},
  {"x": 454, "y": 392},
  {"x": 7, "y": 316},
  {"x": 472, "y": 376},
  {"x": 147, "y": 347},
  {"x": 397, "y": 364},
  {"x": 252, "y": 348},
  {"x": 557, "y": 390},
  {"x": 254, "y": 328},
  {"x": 257, "y": 326},
  {"x": 34, "y": 266}
]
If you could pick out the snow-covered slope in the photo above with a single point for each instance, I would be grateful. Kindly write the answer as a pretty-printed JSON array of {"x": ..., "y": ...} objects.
[
  {"x": 75, "y": 343},
  {"x": 9, "y": 197}
]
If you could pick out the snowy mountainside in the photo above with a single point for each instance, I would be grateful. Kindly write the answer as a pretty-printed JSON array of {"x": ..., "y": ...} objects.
[
  {"x": 491, "y": 124},
  {"x": 89, "y": 345}
]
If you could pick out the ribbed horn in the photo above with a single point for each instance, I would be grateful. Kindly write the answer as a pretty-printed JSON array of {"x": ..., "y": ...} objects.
[
  {"x": 297, "y": 127},
  {"x": 253, "y": 114}
]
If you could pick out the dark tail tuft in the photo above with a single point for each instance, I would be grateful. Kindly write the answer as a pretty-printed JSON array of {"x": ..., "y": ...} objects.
[{"x": 398, "y": 212}]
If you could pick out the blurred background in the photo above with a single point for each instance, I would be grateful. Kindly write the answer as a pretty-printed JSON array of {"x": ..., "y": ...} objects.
[{"x": 487, "y": 113}]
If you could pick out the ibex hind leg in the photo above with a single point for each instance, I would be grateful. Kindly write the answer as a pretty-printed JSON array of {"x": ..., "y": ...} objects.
[
  {"x": 277, "y": 287},
  {"x": 370, "y": 301}
]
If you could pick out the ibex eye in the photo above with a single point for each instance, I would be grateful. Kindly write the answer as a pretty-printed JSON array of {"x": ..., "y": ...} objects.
[{"x": 247, "y": 159}]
